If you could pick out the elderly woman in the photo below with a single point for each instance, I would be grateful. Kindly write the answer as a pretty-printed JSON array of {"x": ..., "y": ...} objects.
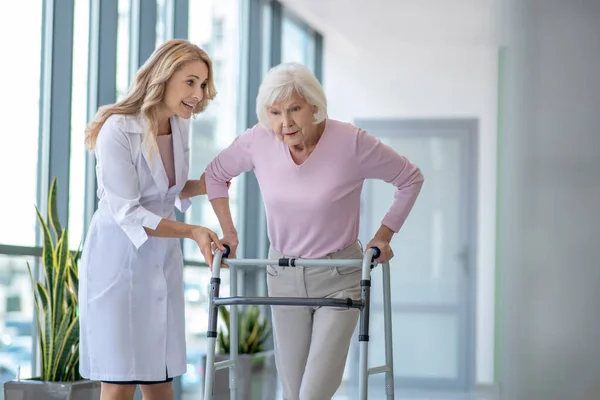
[{"x": 311, "y": 170}]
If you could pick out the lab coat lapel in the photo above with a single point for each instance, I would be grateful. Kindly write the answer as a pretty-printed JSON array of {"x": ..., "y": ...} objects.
[
  {"x": 152, "y": 156},
  {"x": 178, "y": 151}
]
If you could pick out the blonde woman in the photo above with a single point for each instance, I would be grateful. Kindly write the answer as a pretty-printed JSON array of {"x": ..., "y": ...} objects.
[
  {"x": 311, "y": 170},
  {"x": 131, "y": 295}
]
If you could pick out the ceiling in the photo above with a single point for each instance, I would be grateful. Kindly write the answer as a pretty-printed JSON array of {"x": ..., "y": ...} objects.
[{"x": 360, "y": 23}]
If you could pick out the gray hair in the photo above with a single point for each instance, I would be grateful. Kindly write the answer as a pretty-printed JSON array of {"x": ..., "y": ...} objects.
[{"x": 280, "y": 84}]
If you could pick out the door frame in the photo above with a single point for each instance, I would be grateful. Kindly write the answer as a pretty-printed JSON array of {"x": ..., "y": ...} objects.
[{"x": 466, "y": 130}]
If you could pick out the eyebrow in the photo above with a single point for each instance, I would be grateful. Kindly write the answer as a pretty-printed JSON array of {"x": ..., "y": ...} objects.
[
  {"x": 290, "y": 106},
  {"x": 194, "y": 76}
]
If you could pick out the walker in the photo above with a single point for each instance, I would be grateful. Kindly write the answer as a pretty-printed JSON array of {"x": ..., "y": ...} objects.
[{"x": 367, "y": 263}]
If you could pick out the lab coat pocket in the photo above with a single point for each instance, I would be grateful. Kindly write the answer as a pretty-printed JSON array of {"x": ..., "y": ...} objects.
[{"x": 106, "y": 267}]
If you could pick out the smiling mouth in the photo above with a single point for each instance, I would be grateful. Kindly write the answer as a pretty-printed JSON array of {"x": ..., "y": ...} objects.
[
  {"x": 188, "y": 106},
  {"x": 290, "y": 134}
]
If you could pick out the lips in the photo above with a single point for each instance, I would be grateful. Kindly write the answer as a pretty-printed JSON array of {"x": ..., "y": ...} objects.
[
  {"x": 189, "y": 106},
  {"x": 290, "y": 134}
]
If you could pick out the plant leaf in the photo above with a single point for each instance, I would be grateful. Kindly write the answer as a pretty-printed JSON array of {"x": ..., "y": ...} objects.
[
  {"x": 47, "y": 333},
  {"x": 47, "y": 252},
  {"x": 39, "y": 314},
  {"x": 65, "y": 344},
  {"x": 53, "y": 209},
  {"x": 60, "y": 277}
]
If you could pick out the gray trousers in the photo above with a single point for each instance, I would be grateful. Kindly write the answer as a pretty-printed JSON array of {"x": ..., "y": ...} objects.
[{"x": 311, "y": 343}]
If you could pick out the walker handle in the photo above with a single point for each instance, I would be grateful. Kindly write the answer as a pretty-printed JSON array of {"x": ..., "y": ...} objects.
[
  {"x": 227, "y": 250},
  {"x": 377, "y": 253}
]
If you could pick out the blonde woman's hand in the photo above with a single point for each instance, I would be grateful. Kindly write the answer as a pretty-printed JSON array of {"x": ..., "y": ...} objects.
[
  {"x": 202, "y": 185},
  {"x": 205, "y": 239}
]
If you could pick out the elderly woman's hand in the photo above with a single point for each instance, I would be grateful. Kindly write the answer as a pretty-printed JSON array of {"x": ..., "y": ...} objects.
[
  {"x": 386, "y": 251},
  {"x": 231, "y": 239},
  {"x": 382, "y": 240}
]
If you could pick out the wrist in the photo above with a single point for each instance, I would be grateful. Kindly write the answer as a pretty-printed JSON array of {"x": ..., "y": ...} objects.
[
  {"x": 230, "y": 232},
  {"x": 384, "y": 234},
  {"x": 191, "y": 231}
]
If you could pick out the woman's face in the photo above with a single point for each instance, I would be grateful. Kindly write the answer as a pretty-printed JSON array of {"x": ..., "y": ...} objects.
[
  {"x": 293, "y": 120},
  {"x": 185, "y": 89}
]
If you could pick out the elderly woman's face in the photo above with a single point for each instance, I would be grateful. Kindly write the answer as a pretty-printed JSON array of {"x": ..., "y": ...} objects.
[{"x": 293, "y": 120}]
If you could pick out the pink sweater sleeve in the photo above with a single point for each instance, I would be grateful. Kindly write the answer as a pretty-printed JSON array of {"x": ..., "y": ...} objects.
[
  {"x": 231, "y": 162},
  {"x": 379, "y": 161}
]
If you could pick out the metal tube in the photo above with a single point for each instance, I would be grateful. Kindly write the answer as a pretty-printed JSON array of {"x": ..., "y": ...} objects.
[
  {"x": 363, "y": 337},
  {"x": 378, "y": 370},
  {"x": 387, "y": 321},
  {"x": 363, "y": 371},
  {"x": 297, "y": 262},
  {"x": 211, "y": 334},
  {"x": 223, "y": 364},
  {"x": 233, "y": 334},
  {"x": 290, "y": 301}
]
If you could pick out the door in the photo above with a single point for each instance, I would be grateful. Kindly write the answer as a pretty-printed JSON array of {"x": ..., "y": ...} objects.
[{"x": 433, "y": 271}]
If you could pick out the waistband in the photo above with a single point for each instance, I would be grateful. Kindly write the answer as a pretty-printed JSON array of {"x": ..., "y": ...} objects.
[{"x": 352, "y": 251}]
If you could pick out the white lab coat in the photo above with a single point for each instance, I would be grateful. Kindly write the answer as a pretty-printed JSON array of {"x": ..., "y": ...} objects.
[{"x": 131, "y": 298}]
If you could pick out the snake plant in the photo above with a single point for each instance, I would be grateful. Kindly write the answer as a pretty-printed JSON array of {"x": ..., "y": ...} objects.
[
  {"x": 56, "y": 300},
  {"x": 253, "y": 331}
]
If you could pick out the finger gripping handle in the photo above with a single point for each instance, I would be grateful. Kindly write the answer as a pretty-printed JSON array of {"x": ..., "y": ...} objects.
[
  {"x": 227, "y": 250},
  {"x": 377, "y": 252}
]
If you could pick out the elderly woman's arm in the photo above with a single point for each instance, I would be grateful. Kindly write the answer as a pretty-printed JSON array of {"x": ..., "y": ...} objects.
[
  {"x": 379, "y": 161},
  {"x": 231, "y": 162}
]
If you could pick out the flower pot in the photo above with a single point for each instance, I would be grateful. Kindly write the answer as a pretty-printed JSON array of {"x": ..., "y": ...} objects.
[{"x": 31, "y": 389}]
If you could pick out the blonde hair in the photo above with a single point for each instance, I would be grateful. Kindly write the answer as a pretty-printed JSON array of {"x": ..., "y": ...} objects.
[
  {"x": 148, "y": 88},
  {"x": 282, "y": 82}
]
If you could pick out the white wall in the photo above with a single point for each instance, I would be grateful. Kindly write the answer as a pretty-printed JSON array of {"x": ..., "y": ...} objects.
[
  {"x": 550, "y": 193},
  {"x": 422, "y": 58}
]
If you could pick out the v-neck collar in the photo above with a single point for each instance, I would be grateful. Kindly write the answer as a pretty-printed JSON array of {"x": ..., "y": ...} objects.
[
  {"x": 310, "y": 156},
  {"x": 136, "y": 124}
]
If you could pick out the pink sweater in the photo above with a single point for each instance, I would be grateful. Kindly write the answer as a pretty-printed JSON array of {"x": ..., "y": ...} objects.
[{"x": 313, "y": 209}]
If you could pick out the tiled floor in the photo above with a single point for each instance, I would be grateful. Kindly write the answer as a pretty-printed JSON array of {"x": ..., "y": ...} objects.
[
  {"x": 375, "y": 394},
  {"x": 266, "y": 388}
]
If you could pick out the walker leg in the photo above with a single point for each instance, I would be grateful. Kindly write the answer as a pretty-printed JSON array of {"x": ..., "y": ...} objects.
[
  {"x": 387, "y": 318},
  {"x": 363, "y": 336},
  {"x": 233, "y": 334},
  {"x": 211, "y": 334}
]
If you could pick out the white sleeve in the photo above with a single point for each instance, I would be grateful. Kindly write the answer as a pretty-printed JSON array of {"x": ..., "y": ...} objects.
[{"x": 118, "y": 177}]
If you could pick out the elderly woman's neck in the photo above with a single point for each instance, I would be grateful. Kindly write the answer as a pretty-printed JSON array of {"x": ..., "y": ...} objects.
[{"x": 311, "y": 142}]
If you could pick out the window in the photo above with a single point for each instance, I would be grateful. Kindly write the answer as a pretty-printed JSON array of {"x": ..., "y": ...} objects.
[
  {"x": 218, "y": 33},
  {"x": 123, "y": 36},
  {"x": 297, "y": 43},
  {"x": 266, "y": 36},
  {"x": 17, "y": 324},
  {"x": 218, "y": 125},
  {"x": 162, "y": 16},
  {"x": 78, "y": 122},
  {"x": 19, "y": 112}
]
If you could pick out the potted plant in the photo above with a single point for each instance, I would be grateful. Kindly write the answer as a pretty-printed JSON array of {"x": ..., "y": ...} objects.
[
  {"x": 256, "y": 377},
  {"x": 56, "y": 319}
]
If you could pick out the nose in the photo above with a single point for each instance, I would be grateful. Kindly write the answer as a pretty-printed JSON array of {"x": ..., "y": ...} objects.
[
  {"x": 287, "y": 121},
  {"x": 199, "y": 93}
]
